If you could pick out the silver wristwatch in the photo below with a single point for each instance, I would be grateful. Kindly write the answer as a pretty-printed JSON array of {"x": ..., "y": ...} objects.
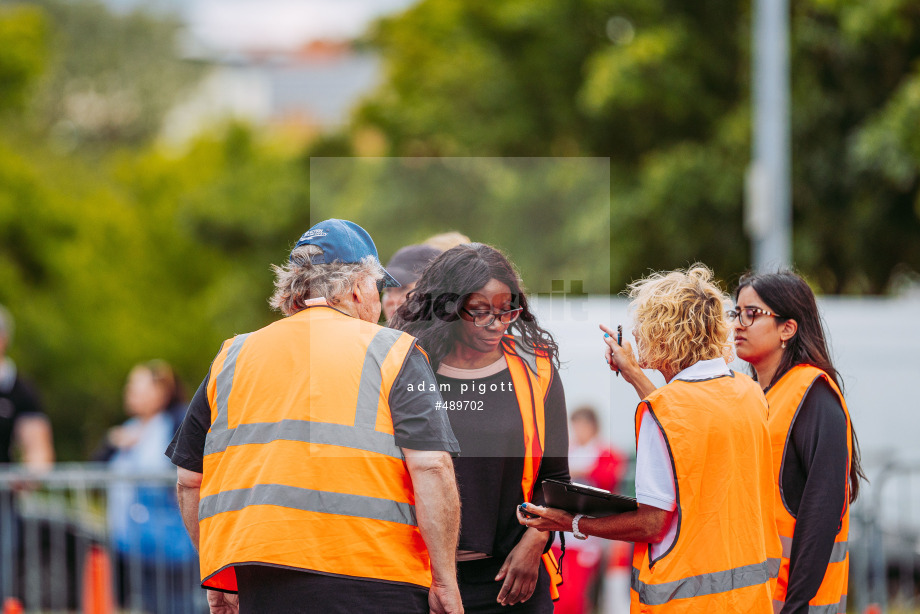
[{"x": 575, "y": 532}]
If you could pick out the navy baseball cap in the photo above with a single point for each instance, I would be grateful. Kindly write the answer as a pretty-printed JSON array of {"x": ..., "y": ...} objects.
[{"x": 343, "y": 241}]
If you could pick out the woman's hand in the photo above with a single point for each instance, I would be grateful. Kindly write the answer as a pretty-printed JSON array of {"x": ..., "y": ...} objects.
[
  {"x": 548, "y": 518},
  {"x": 521, "y": 568},
  {"x": 621, "y": 358}
]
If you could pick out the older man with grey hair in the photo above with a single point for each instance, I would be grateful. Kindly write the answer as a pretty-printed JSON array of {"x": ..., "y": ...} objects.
[{"x": 313, "y": 474}]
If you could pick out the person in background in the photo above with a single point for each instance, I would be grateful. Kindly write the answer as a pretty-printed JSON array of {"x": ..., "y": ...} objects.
[
  {"x": 816, "y": 465},
  {"x": 595, "y": 463},
  {"x": 704, "y": 530},
  {"x": 310, "y": 476},
  {"x": 152, "y": 388},
  {"x": 406, "y": 266},
  {"x": 155, "y": 557},
  {"x": 446, "y": 240},
  {"x": 25, "y": 435},
  {"x": 591, "y": 460},
  {"x": 25, "y": 430},
  {"x": 496, "y": 369}
]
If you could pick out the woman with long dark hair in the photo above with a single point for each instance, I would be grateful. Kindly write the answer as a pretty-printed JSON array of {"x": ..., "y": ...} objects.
[
  {"x": 496, "y": 371},
  {"x": 815, "y": 451}
]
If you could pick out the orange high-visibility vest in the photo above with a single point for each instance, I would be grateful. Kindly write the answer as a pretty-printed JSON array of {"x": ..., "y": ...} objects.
[
  {"x": 531, "y": 376},
  {"x": 726, "y": 549},
  {"x": 785, "y": 399},
  {"x": 301, "y": 467}
]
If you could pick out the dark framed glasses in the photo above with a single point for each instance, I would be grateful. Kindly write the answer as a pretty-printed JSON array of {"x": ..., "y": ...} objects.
[
  {"x": 747, "y": 315},
  {"x": 482, "y": 319}
]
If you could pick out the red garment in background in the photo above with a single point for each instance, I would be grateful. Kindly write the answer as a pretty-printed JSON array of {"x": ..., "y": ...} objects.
[
  {"x": 581, "y": 565},
  {"x": 580, "y": 568},
  {"x": 608, "y": 471}
]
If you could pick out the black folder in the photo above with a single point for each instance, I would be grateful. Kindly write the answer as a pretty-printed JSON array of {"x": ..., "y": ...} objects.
[{"x": 581, "y": 499}]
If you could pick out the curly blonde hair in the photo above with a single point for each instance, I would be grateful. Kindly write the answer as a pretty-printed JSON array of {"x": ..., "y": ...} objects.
[{"x": 679, "y": 319}]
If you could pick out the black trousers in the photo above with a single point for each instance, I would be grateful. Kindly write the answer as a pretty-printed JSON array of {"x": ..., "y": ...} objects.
[
  {"x": 275, "y": 590},
  {"x": 479, "y": 589}
]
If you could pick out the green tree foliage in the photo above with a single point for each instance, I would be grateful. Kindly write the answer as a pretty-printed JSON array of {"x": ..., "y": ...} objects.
[
  {"x": 112, "y": 77},
  {"x": 114, "y": 250},
  {"x": 23, "y": 34},
  {"x": 543, "y": 212},
  {"x": 662, "y": 89},
  {"x": 856, "y": 187},
  {"x": 137, "y": 255}
]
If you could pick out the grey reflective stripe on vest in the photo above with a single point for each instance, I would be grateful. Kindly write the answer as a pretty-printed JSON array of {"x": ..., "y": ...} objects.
[
  {"x": 703, "y": 584},
  {"x": 307, "y": 500},
  {"x": 307, "y": 432},
  {"x": 365, "y": 437},
  {"x": 838, "y": 552},
  {"x": 834, "y": 608},
  {"x": 223, "y": 388},
  {"x": 773, "y": 566},
  {"x": 372, "y": 378},
  {"x": 787, "y": 546},
  {"x": 825, "y": 609}
]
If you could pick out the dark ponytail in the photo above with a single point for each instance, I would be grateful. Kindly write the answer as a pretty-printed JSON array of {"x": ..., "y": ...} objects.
[{"x": 787, "y": 294}]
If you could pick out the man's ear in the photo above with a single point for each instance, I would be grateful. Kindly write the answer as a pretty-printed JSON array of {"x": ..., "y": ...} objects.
[
  {"x": 358, "y": 291},
  {"x": 356, "y": 296}
]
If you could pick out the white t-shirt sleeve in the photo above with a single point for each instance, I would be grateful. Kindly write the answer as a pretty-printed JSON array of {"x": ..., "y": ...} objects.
[
  {"x": 654, "y": 474},
  {"x": 655, "y": 477}
]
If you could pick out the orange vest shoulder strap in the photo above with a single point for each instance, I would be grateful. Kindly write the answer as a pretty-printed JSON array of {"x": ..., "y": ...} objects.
[
  {"x": 424, "y": 353},
  {"x": 531, "y": 375},
  {"x": 799, "y": 379}
]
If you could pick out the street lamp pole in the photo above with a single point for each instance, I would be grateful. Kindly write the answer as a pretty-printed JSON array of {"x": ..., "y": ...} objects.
[{"x": 768, "y": 215}]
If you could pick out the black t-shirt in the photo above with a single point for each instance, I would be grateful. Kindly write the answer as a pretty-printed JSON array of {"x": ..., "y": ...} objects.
[
  {"x": 17, "y": 400},
  {"x": 490, "y": 430},
  {"x": 814, "y": 471},
  {"x": 417, "y": 423}
]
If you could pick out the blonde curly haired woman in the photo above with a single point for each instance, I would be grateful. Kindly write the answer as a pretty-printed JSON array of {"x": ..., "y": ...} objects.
[{"x": 704, "y": 528}]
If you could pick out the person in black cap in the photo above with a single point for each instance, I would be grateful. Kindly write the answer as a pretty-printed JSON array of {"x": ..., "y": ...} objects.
[
  {"x": 310, "y": 477},
  {"x": 406, "y": 266}
]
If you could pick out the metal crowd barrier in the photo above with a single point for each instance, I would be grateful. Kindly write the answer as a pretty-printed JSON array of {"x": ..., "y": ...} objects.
[
  {"x": 59, "y": 550},
  {"x": 84, "y": 538},
  {"x": 885, "y": 541}
]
